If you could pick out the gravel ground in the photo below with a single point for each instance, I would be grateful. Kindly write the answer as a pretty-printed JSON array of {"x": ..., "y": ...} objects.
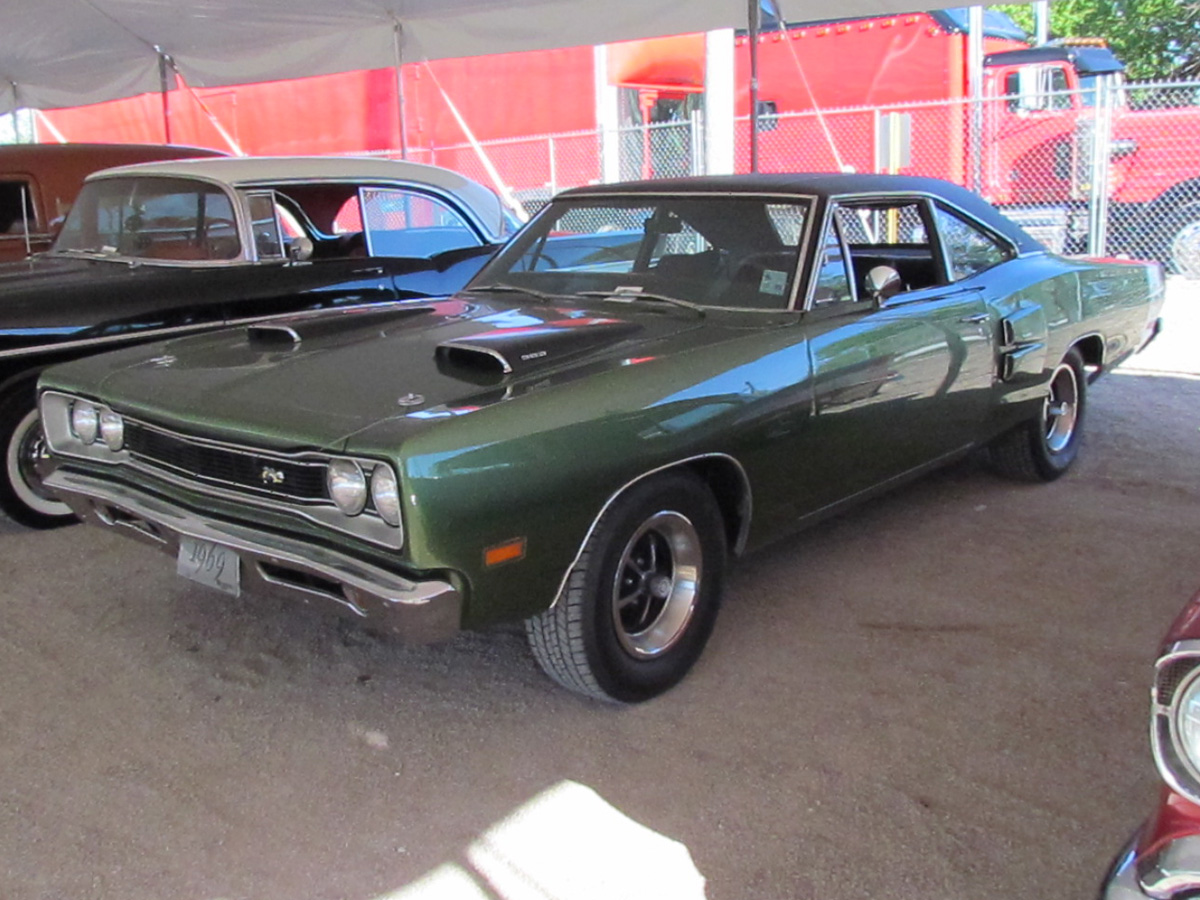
[{"x": 940, "y": 695}]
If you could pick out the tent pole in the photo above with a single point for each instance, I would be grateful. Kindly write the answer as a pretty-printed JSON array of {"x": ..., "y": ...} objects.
[
  {"x": 400, "y": 88},
  {"x": 164, "y": 92},
  {"x": 755, "y": 27}
]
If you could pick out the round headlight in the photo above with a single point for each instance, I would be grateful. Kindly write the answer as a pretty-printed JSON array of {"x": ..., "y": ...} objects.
[
  {"x": 1187, "y": 722},
  {"x": 386, "y": 494},
  {"x": 85, "y": 421},
  {"x": 112, "y": 430},
  {"x": 347, "y": 486}
]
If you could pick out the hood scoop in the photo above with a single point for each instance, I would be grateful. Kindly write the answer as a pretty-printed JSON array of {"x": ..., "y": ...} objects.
[
  {"x": 291, "y": 332},
  {"x": 491, "y": 355}
]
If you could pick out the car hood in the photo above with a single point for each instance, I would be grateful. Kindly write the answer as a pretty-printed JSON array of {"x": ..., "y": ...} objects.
[{"x": 318, "y": 380}]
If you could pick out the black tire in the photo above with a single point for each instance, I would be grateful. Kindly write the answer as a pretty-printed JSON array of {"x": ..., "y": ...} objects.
[
  {"x": 641, "y": 602},
  {"x": 22, "y": 495},
  {"x": 1043, "y": 448}
]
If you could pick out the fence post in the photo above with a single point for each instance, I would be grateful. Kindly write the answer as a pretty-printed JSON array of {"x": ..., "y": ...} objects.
[
  {"x": 696, "y": 127},
  {"x": 1101, "y": 143}
]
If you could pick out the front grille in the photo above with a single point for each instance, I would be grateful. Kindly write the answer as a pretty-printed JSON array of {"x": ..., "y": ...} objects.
[{"x": 261, "y": 473}]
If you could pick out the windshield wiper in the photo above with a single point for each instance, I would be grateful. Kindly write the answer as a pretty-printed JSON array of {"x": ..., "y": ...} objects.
[
  {"x": 501, "y": 288},
  {"x": 629, "y": 296}
]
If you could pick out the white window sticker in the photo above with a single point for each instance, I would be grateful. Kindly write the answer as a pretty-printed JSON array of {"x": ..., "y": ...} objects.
[{"x": 773, "y": 282}]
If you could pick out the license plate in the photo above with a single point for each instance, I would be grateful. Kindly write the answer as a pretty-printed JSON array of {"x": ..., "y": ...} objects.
[{"x": 210, "y": 564}]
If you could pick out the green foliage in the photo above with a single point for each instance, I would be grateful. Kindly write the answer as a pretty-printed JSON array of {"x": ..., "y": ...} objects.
[{"x": 1157, "y": 39}]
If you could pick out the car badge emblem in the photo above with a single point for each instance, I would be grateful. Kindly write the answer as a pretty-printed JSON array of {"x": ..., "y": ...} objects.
[
  {"x": 271, "y": 476},
  {"x": 411, "y": 400}
]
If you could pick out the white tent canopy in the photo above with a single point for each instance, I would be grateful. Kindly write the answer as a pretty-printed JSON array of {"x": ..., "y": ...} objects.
[{"x": 56, "y": 53}]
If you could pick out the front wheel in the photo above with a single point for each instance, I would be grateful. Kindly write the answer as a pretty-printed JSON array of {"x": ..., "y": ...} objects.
[
  {"x": 1043, "y": 448},
  {"x": 641, "y": 602},
  {"x": 23, "y": 497}
]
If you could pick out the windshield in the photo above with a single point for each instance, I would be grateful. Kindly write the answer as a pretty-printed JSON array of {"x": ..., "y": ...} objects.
[
  {"x": 153, "y": 219},
  {"x": 721, "y": 251}
]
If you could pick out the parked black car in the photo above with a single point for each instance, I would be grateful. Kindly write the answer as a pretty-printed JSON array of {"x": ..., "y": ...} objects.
[{"x": 160, "y": 249}]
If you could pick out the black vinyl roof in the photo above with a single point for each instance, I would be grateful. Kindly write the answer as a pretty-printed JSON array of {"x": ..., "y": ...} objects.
[
  {"x": 822, "y": 185},
  {"x": 1086, "y": 60}
]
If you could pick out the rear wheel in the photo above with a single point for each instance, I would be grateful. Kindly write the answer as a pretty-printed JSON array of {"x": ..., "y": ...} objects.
[
  {"x": 23, "y": 496},
  {"x": 1043, "y": 448},
  {"x": 641, "y": 602}
]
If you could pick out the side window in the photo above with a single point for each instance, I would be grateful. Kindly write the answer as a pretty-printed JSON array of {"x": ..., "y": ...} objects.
[
  {"x": 152, "y": 218},
  {"x": 265, "y": 226},
  {"x": 893, "y": 233},
  {"x": 16, "y": 207},
  {"x": 969, "y": 249},
  {"x": 1032, "y": 88},
  {"x": 407, "y": 223},
  {"x": 833, "y": 274}
]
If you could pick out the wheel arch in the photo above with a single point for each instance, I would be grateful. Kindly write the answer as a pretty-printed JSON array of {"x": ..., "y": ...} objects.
[
  {"x": 1183, "y": 192},
  {"x": 720, "y": 472},
  {"x": 1091, "y": 347}
]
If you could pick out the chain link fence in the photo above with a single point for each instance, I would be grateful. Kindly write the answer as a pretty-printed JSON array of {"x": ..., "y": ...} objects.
[{"x": 1114, "y": 170}]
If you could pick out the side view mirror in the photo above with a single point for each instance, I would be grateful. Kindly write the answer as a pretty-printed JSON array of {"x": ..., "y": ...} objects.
[
  {"x": 882, "y": 283},
  {"x": 300, "y": 249}
]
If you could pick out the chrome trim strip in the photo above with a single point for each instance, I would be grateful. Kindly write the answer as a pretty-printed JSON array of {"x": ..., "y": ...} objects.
[
  {"x": 138, "y": 337},
  {"x": 927, "y": 195},
  {"x": 739, "y": 544},
  {"x": 265, "y": 330}
]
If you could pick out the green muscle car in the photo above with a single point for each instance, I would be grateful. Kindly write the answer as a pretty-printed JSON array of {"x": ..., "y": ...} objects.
[{"x": 648, "y": 380}]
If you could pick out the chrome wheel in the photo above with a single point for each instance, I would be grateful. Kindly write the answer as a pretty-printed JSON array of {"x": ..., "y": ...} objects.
[
  {"x": 656, "y": 584},
  {"x": 641, "y": 599},
  {"x": 24, "y": 463},
  {"x": 1061, "y": 408},
  {"x": 1185, "y": 250}
]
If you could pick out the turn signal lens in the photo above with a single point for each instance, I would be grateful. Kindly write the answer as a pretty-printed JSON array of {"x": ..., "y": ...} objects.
[
  {"x": 385, "y": 492},
  {"x": 85, "y": 421},
  {"x": 347, "y": 486},
  {"x": 112, "y": 430},
  {"x": 506, "y": 552}
]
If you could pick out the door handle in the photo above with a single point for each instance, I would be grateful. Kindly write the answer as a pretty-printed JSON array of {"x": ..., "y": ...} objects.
[{"x": 975, "y": 319}]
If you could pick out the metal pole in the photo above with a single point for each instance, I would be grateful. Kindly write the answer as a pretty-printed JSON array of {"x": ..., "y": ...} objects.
[
  {"x": 975, "y": 80},
  {"x": 1041, "y": 19},
  {"x": 400, "y": 89},
  {"x": 164, "y": 89},
  {"x": 1101, "y": 150},
  {"x": 755, "y": 26}
]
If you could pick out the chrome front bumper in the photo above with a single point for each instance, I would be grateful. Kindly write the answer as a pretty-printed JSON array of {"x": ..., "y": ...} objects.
[
  {"x": 424, "y": 611},
  {"x": 1171, "y": 872}
]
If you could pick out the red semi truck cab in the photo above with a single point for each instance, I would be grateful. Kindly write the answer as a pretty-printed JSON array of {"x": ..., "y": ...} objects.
[{"x": 1035, "y": 130}]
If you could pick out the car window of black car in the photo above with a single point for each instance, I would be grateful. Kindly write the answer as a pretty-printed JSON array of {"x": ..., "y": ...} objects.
[
  {"x": 152, "y": 218},
  {"x": 408, "y": 223},
  {"x": 895, "y": 233},
  {"x": 969, "y": 249}
]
